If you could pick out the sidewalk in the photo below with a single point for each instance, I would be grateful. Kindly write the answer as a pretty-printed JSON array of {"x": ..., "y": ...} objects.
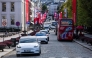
[
  {"x": 84, "y": 44},
  {"x": 7, "y": 50},
  {"x": 13, "y": 36}
]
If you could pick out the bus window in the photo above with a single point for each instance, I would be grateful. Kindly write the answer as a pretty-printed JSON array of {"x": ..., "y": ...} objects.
[{"x": 66, "y": 22}]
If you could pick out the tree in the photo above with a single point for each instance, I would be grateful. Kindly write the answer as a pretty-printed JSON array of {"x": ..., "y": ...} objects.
[
  {"x": 44, "y": 8},
  {"x": 84, "y": 12},
  {"x": 67, "y": 5}
]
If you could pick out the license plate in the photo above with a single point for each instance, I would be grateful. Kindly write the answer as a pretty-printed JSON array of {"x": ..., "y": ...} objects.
[{"x": 27, "y": 51}]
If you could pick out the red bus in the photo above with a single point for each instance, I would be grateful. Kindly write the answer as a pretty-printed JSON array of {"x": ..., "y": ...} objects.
[{"x": 65, "y": 29}]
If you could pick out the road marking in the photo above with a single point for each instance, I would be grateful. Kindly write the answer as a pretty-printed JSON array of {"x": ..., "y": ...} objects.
[
  {"x": 51, "y": 57},
  {"x": 65, "y": 57},
  {"x": 78, "y": 57}
]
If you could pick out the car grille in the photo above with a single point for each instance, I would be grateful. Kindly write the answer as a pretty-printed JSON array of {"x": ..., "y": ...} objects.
[{"x": 27, "y": 49}]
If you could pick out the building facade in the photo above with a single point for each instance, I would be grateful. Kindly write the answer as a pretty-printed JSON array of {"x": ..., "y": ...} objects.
[
  {"x": 13, "y": 11},
  {"x": 52, "y": 9}
]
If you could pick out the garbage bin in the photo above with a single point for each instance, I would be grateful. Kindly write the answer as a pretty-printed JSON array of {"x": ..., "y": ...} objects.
[{"x": 14, "y": 42}]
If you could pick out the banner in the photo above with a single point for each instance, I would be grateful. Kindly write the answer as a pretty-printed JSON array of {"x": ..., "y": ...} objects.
[
  {"x": 74, "y": 10},
  {"x": 60, "y": 15}
]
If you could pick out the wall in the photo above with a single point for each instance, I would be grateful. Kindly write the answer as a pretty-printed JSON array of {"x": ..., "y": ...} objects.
[{"x": 8, "y": 13}]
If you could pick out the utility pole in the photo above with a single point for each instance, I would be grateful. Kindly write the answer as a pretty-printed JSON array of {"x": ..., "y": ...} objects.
[{"x": 24, "y": 18}]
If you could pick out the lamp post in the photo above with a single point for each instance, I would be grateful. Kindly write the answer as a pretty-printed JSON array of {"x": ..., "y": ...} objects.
[{"x": 24, "y": 18}]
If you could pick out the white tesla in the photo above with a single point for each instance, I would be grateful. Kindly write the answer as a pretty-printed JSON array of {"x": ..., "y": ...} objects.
[{"x": 28, "y": 45}]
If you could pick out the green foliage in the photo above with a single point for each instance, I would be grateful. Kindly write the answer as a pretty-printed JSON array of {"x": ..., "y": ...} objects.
[
  {"x": 68, "y": 6},
  {"x": 84, "y": 12},
  {"x": 44, "y": 7}
]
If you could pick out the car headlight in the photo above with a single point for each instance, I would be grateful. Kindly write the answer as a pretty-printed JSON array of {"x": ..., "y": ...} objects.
[
  {"x": 18, "y": 46},
  {"x": 35, "y": 46}
]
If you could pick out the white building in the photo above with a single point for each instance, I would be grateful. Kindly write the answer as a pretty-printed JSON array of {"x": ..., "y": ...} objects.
[
  {"x": 12, "y": 11},
  {"x": 35, "y": 6},
  {"x": 57, "y": 1},
  {"x": 32, "y": 10},
  {"x": 52, "y": 8}
]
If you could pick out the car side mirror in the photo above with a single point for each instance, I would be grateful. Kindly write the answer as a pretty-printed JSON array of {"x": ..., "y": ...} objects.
[
  {"x": 39, "y": 41},
  {"x": 17, "y": 43}
]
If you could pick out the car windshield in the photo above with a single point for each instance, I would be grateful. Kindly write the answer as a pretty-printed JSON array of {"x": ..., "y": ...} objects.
[
  {"x": 26, "y": 40},
  {"x": 46, "y": 27},
  {"x": 40, "y": 34}
]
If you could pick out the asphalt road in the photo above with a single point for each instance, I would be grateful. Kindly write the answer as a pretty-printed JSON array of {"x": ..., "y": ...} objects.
[{"x": 56, "y": 49}]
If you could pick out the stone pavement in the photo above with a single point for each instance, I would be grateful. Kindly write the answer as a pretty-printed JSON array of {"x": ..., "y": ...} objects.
[{"x": 7, "y": 50}]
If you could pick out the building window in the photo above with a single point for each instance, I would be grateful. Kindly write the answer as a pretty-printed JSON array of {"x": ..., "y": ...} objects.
[
  {"x": 4, "y": 21},
  {"x": 3, "y": 17},
  {"x": 4, "y": 6},
  {"x": 12, "y": 6},
  {"x": 12, "y": 19}
]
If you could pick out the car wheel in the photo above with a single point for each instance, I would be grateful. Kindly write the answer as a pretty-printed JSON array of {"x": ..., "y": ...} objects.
[
  {"x": 17, "y": 55},
  {"x": 48, "y": 38},
  {"x": 39, "y": 53}
]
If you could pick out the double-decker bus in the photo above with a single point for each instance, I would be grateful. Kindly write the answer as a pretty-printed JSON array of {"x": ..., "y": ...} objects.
[{"x": 65, "y": 29}]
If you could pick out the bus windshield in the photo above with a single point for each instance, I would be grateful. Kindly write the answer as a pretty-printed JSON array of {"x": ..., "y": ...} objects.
[{"x": 65, "y": 22}]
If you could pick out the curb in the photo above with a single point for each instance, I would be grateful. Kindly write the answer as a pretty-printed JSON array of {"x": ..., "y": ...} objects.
[
  {"x": 7, "y": 52},
  {"x": 83, "y": 45}
]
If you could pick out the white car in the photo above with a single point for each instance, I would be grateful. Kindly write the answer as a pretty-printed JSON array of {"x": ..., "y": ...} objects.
[
  {"x": 47, "y": 33},
  {"x": 28, "y": 45},
  {"x": 46, "y": 27},
  {"x": 41, "y": 36},
  {"x": 43, "y": 39}
]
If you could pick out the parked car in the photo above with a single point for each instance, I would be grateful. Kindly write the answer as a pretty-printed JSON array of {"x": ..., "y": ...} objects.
[
  {"x": 28, "y": 45},
  {"x": 47, "y": 33},
  {"x": 42, "y": 37}
]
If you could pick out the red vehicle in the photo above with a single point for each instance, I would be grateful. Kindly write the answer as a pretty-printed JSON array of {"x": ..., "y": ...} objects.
[{"x": 65, "y": 29}]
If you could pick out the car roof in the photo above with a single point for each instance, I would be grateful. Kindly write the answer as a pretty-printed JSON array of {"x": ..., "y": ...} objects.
[
  {"x": 44, "y": 30},
  {"x": 40, "y": 32},
  {"x": 28, "y": 37},
  {"x": 46, "y": 25},
  {"x": 41, "y": 36}
]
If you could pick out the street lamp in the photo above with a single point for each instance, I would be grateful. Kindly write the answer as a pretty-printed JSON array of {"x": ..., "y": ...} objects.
[{"x": 24, "y": 18}]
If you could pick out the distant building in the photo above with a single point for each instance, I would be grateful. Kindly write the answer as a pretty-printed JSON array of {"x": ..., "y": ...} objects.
[{"x": 52, "y": 9}]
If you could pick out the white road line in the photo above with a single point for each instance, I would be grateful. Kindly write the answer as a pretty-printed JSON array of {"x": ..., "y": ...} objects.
[
  {"x": 78, "y": 57},
  {"x": 65, "y": 57},
  {"x": 51, "y": 57}
]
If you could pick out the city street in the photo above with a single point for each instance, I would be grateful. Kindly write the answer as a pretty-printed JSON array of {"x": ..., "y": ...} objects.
[{"x": 56, "y": 49}]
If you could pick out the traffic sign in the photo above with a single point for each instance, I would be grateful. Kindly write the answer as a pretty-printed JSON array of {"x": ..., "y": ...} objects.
[
  {"x": 4, "y": 23},
  {"x": 17, "y": 23},
  {"x": 27, "y": 22}
]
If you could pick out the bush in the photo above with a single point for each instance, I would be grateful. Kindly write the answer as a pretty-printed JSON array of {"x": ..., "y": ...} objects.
[
  {"x": 8, "y": 43},
  {"x": 2, "y": 46}
]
